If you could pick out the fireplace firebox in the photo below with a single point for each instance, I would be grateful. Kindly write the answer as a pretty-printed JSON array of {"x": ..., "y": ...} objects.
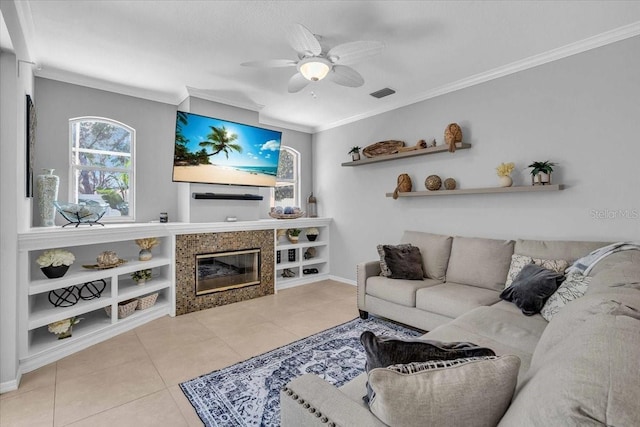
[{"x": 221, "y": 271}]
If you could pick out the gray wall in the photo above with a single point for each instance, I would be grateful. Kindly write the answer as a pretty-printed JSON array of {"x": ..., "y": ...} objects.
[
  {"x": 581, "y": 112},
  {"x": 154, "y": 123}
]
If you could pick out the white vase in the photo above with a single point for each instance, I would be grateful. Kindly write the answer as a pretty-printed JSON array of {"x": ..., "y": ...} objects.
[
  {"x": 505, "y": 181},
  {"x": 47, "y": 187}
]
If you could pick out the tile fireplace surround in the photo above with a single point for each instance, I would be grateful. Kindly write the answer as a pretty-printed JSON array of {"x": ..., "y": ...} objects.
[{"x": 190, "y": 245}]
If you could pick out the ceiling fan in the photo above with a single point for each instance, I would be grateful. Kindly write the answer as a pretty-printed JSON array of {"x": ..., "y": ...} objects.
[{"x": 314, "y": 63}]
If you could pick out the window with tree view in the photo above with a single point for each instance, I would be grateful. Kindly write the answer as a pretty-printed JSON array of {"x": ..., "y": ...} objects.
[
  {"x": 102, "y": 165},
  {"x": 287, "y": 192}
]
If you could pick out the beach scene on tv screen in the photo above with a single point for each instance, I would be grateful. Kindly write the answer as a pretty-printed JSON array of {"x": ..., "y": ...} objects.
[{"x": 214, "y": 151}]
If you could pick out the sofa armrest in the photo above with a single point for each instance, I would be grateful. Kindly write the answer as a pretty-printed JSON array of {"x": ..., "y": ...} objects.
[
  {"x": 365, "y": 270},
  {"x": 310, "y": 401}
]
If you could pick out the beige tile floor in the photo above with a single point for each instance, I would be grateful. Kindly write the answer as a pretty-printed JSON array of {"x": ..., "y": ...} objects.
[{"x": 132, "y": 379}]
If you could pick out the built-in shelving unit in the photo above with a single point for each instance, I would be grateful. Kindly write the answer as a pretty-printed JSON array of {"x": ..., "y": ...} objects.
[
  {"x": 292, "y": 256},
  {"x": 37, "y": 346},
  {"x": 488, "y": 190},
  {"x": 407, "y": 154}
]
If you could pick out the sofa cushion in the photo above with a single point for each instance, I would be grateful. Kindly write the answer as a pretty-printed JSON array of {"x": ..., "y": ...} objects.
[
  {"x": 588, "y": 379},
  {"x": 403, "y": 262},
  {"x": 506, "y": 327},
  {"x": 480, "y": 262},
  {"x": 435, "y": 250},
  {"x": 399, "y": 291},
  {"x": 531, "y": 288},
  {"x": 574, "y": 286},
  {"x": 475, "y": 393},
  {"x": 384, "y": 268},
  {"x": 454, "y": 299},
  {"x": 555, "y": 249}
]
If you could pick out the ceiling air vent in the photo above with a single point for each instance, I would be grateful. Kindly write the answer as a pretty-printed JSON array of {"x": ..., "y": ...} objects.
[{"x": 382, "y": 93}]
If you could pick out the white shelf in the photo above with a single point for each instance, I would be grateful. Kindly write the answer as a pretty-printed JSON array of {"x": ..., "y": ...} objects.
[
  {"x": 308, "y": 244},
  {"x": 406, "y": 154},
  {"x": 487, "y": 190},
  {"x": 129, "y": 289},
  {"x": 43, "y": 312},
  {"x": 314, "y": 261}
]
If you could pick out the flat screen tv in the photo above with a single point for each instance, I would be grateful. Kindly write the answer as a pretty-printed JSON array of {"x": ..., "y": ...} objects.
[{"x": 215, "y": 151}]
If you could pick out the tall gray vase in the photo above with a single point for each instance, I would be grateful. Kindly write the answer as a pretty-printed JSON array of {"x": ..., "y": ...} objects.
[{"x": 47, "y": 187}]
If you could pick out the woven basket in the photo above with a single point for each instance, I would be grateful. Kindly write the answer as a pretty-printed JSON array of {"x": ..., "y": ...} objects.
[
  {"x": 125, "y": 308},
  {"x": 147, "y": 301}
]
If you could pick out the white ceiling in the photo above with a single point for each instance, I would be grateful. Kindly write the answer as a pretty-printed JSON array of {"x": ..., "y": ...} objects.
[{"x": 159, "y": 49}]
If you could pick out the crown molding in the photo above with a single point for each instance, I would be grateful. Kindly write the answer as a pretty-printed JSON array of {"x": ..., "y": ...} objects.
[
  {"x": 81, "y": 80},
  {"x": 581, "y": 46},
  {"x": 209, "y": 96},
  {"x": 269, "y": 121}
]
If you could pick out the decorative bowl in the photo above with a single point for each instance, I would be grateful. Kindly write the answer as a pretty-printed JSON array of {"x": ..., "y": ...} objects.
[
  {"x": 80, "y": 213},
  {"x": 286, "y": 216}
]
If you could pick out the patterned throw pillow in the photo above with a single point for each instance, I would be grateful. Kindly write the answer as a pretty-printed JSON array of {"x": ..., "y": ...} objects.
[
  {"x": 412, "y": 368},
  {"x": 574, "y": 286},
  {"x": 519, "y": 261},
  {"x": 517, "y": 264},
  {"x": 384, "y": 268}
]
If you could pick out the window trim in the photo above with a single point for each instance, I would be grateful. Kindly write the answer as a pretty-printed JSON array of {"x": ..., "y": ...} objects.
[
  {"x": 295, "y": 181},
  {"x": 73, "y": 168}
]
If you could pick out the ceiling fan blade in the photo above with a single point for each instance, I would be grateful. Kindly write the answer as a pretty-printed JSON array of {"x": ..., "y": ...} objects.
[
  {"x": 297, "y": 83},
  {"x": 352, "y": 52},
  {"x": 303, "y": 41},
  {"x": 271, "y": 63},
  {"x": 345, "y": 76}
]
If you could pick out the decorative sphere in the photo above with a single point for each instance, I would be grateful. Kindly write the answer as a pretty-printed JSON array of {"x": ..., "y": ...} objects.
[
  {"x": 450, "y": 184},
  {"x": 288, "y": 210},
  {"x": 433, "y": 182}
]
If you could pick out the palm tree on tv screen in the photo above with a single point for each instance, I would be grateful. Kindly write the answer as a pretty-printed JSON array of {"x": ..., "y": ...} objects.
[{"x": 221, "y": 140}]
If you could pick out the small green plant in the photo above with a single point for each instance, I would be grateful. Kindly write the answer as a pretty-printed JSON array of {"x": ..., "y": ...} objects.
[
  {"x": 541, "y": 167},
  {"x": 354, "y": 150},
  {"x": 294, "y": 232},
  {"x": 141, "y": 275}
]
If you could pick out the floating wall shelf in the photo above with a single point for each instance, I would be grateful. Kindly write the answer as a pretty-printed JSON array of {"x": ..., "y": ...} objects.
[
  {"x": 488, "y": 190},
  {"x": 406, "y": 154}
]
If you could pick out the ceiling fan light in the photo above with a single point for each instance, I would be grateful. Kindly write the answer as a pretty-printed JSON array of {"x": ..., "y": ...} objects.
[{"x": 315, "y": 69}]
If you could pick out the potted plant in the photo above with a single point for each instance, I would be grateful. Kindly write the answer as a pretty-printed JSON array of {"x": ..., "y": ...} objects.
[
  {"x": 145, "y": 247},
  {"x": 54, "y": 263},
  {"x": 504, "y": 174},
  {"x": 293, "y": 234},
  {"x": 355, "y": 153},
  {"x": 63, "y": 328},
  {"x": 141, "y": 276},
  {"x": 312, "y": 233},
  {"x": 541, "y": 172}
]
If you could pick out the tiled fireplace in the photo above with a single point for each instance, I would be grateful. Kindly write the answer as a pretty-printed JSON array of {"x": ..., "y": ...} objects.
[{"x": 234, "y": 266}]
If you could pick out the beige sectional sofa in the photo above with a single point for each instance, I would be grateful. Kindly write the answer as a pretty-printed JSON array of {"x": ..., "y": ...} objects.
[{"x": 582, "y": 368}]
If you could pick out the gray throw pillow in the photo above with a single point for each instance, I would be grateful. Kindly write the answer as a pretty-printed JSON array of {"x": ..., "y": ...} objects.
[
  {"x": 467, "y": 392},
  {"x": 531, "y": 288},
  {"x": 384, "y": 268},
  {"x": 382, "y": 352},
  {"x": 403, "y": 262}
]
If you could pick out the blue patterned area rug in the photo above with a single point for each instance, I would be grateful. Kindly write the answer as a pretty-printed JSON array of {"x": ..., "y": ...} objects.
[{"x": 248, "y": 393}]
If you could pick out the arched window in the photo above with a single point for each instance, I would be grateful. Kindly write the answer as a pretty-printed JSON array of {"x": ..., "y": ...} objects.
[
  {"x": 287, "y": 190},
  {"x": 102, "y": 166}
]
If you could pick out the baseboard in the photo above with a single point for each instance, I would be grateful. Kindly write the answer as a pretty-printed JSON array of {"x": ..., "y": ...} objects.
[
  {"x": 343, "y": 280},
  {"x": 12, "y": 385}
]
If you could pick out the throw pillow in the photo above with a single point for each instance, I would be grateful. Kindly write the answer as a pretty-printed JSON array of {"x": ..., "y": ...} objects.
[
  {"x": 519, "y": 261},
  {"x": 574, "y": 286},
  {"x": 531, "y": 288},
  {"x": 386, "y": 351},
  {"x": 404, "y": 263},
  {"x": 384, "y": 269},
  {"x": 474, "y": 391}
]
